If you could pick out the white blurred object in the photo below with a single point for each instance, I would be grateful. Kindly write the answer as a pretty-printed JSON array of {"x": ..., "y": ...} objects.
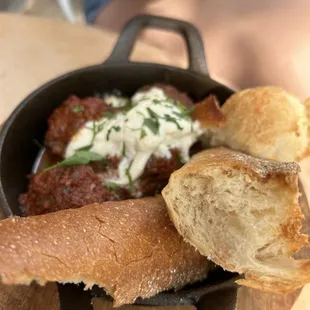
[
  {"x": 69, "y": 10},
  {"x": 15, "y": 5}
]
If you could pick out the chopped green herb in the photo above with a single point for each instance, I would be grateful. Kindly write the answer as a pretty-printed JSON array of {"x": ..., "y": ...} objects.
[
  {"x": 116, "y": 196},
  {"x": 109, "y": 115},
  {"x": 131, "y": 186},
  {"x": 143, "y": 133},
  {"x": 152, "y": 124},
  {"x": 111, "y": 185},
  {"x": 116, "y": 128},
  {"x": 95, "y": 129},
  {"x": 37, "y": 143},
  {"x": 100, "y": 127},
  {"x": 124, "y": 149},
  {"x": 171, "y": 119},
  {"x": 184, "y": 112},
  {"x": 152, "y": 113},
  {"x": 77, "y": 109},
  {"x": 156, "y": 101},
  {"x": 128, "y": 106},
  {"x": 79, "y": 158}
]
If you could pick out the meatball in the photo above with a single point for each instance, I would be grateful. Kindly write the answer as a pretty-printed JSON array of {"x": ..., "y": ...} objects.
[
  {"x": 157, "y": 172},
  {"x": 69, "y": 117},
  {"x": 67, "y": 188},
  {"x": 172, "y": 93}
]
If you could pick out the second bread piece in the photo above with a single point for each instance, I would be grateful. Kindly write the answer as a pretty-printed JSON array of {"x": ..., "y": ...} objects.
[
  {"x": 128, "y": 247},
  {"x": 243, "y": 214},
  {"x": 266, "y": 122}
]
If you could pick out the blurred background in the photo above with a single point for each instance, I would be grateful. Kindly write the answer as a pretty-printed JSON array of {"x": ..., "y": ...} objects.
[
  {"x": 247, "y": 43},
  {"x": 44, "y": 8}
]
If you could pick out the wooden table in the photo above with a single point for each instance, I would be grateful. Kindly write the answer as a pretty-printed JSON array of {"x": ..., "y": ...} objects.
[{"x": 34, "y": 50}]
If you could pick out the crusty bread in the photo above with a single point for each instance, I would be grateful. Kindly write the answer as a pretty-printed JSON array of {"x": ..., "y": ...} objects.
[
  {"x": 130, "y": 248},
  {"x": 265, "y": 122},
  {"x": 243, "y": 214},
  {"x": 208, "y": 113}
]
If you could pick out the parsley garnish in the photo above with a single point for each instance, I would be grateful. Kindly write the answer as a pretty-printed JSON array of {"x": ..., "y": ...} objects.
[
  {"x": 79, "y": 158},
  {"x": 152, "y": 113},
  {"x": 152, "y": 124},
  {"x": 96, "y": 129},
  {"x": 156, "y": 101},
  {"x": 124, "y": 149},
  {"x": 171, "y": 119},
  {"x": 154, "y": 117},
  {"x": 77, "y": 109},
  {"x": 184, "y": 112},
  {"x": 111, "y": 185},
  {"x": 127, "y": 172},
  {"x": 116, "y": 128}
]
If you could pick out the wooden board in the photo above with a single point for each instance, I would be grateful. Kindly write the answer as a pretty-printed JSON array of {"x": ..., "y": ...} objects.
[{"x": 34, "y": 50}]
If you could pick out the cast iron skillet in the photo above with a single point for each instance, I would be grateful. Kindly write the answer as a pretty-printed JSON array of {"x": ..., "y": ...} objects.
[{"x": 28, "y": 122}]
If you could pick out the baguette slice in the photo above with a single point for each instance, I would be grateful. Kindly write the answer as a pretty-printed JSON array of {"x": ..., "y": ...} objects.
[
  {"x": 130, "y": 248},
  {"x": 243, "y": 214}
]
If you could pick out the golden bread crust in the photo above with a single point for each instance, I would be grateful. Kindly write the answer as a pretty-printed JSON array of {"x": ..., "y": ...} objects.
[
  {"x": 208, "y": 113},
  {"x": 273, "y": 235},
  {"x": 130, "y": 248},
  {"x": 265, "y": 122}
]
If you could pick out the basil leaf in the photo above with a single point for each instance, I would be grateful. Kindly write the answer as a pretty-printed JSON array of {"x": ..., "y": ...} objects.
[
  {"x": 116, "y": 128},
  {"x": 79, "y": 158},
  {"x": 77, "y": 109},
  {"x": 85, "y": 148},
  {"x": 152, "y": 124}
]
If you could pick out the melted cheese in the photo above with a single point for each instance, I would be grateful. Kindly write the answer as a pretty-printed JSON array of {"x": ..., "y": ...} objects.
[{"x": 153, "y": 126}]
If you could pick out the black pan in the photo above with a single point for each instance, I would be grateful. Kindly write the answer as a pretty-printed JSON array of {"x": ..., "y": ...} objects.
[{"x": 28, "y": 122}]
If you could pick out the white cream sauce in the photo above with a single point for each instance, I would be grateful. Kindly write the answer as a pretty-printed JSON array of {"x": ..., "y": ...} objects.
[
  {"x": 152, "y": 126},
  {"x": 116, "y": 101}
]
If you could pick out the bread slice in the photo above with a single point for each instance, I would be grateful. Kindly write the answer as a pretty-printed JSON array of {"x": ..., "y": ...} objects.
[
  {"x": 130, "y": 248},
  {"x": 265, "y": 122},
  {"x": 243, "y": 214}
]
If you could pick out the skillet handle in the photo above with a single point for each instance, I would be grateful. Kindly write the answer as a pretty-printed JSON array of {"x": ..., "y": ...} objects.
[{"x": 192, "y": 37}]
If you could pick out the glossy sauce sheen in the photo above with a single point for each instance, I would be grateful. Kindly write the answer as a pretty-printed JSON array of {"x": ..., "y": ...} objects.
[{"x": 154, "y": 125}]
